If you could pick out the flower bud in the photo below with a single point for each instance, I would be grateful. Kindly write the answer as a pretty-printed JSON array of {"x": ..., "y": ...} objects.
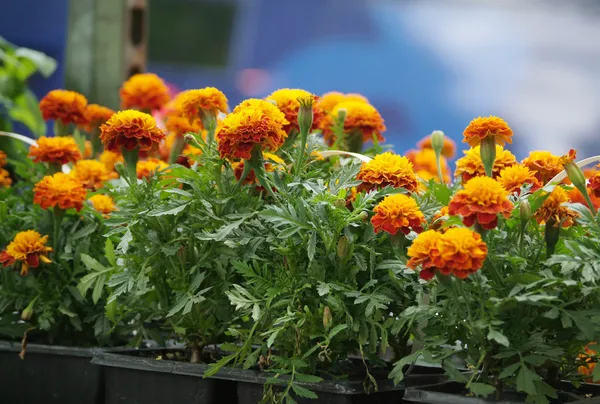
[
  {"x": 343, "y": 247},
  {"x": 327, "y": 317},
  {"x": 28, "y": 312},
  {"x": 437, "y": 141},
  {"x": 340, "y": 203},
  {"x": 189, "y": 139},
  {"x": 305, "y": 113},
  {"x": 576, "y": 175},
  {"x": 363, "y": 216},
  {"x": 525, "y": 211}
]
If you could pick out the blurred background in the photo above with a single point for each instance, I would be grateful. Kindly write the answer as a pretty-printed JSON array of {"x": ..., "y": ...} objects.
[{"x": 425, "y": 64}]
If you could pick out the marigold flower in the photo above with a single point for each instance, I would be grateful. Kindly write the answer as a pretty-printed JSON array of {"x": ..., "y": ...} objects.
[
  {"x": 5, "y": 180},
  {"x": 482, "y": 127},
  {"x": 287, "y": 102},
  {"x": 65, "y": 106},
  {"x": 575, "y": 196},
  {"x": 471, "y": 165},
  {"x": 92, "y": 173},
  {"x": 360, "y": 116},
  {"x": 180, "y": 126},
  {"x": 272, "y": 162},
  {"x": 258, "y": 123},
  {"x": 425, "y": 164},
  {"x": 130, "y": 129},
  {"x": 420, "y": 253},
  {"x": 57, "y": 150},
  {"x": 480, "y": 202},
  {"x": 448, "y": 151},
  {"x": 109, "y": 159},
  {"x": 545, "y": 164},
  {"x": 553, "y": 212},
  {"x": 191, "y": 152},
  {"x": 594, "y": 184},
  {"x": 145, "y": 91},
  {"x": 397, "y": 212},
  {"x": 29, "y": 247},
  {"x": 60, "y": 190},
  {"x": 460, "y": 252},
  {"x": 191, "y": 102},
  {"x": 2, "y": 158},
  {"x": 147, "y": 167},
  {"x": 387, "y": 169},
  {"x": 103, "y": 204},
  {"x": 514, "y": 177},
  {"x": 589, "y": 358},
  {"x": 96, "y": 115}
]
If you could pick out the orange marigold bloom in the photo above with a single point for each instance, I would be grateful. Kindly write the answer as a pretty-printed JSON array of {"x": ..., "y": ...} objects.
[
  {"x": 2, "y": 158},
  {"x": 589, "y": 358},
  {"x": 60, "y": 190},
  {"x": 482, "y": 127},
  {"x": 130, "y": 129},
  {"x": 145, "y": 91},
  {"x": 147, "y": 167},
  {"x": 471, "y": 165},
  {"x": 545, "y": 164},
  {"x": 272, "y": 162},
  {"x": 5, "y": 180},
  {"x": 387, "y": 169},
  {"x": 480, "y": 202},
  {"x": 425, "y": 164},
  {"x": 180, "y": 126},
  {"x": 65, "y": 106},
  {"x": 92, "y": 173},
  {"x": 29, "y": 247},
  {"x": 287, "y": 102},
  {"x": 448, "y": 151},
  {"x": 96, "y": 115},
  {"x": 329, "y": 100},
  {"x": 420, "y": 253},
  {"x": 553, "y": 212},
  {"x": 191, "y": 102},
  {"x": 109, "y": 159},
  {"x": 460, "y": 252},
  {"x": 397, "y": 212},
  {"x": 58, "y": 150},
  {"x": 360, "y": 116},
  {"x": 514, "y": 177},
  {"x": 594, "y": 184},
  {"x": 103, "y": 204},
  {"x": 575, "y": 196},
  {"x": 257, "y": 123}
]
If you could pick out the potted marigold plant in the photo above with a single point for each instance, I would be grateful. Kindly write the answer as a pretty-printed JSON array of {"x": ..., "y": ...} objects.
[{"x": 509, "y": 268}]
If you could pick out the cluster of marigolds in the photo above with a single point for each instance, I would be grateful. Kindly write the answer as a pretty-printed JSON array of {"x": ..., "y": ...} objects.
[{"x": 149, "y": 134}]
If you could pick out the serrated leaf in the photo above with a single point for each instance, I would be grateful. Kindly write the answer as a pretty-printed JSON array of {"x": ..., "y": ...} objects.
[
  {"x": 168, "y": 210},
  {"x": 552, "y": 314},
  {"x": 453, "y": 372},
  {"x": 98, "y": 288},
  {"x": 125, "y": 240},
  {"x": 336, "y": 330},
  {"x": 272, "y": 338},
  {"x": 566, "y": 320},
  {"x": 481, "y": 389},
  {"x": 312, "y": 246},
  {"x": 303, "y": 392},
  {"x": 92, "y": 263},
  {"x": 596, "y": 373},
  {"x": 181, "y": 303},
  {"x": 304, "y": 378},
  {"x": 323, "y": 289},
  {"x": 498, "y": 337},
  {"x": 509, "y": 370},
  {"x": 256, "y": 312},
  {"x": 109, "y": 252},
  {"x": 525, "y": 379}
]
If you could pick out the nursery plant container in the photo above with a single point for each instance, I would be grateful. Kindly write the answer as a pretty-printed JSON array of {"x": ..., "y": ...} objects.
[
  {"x": 49, "y": 374},
  {"x": 454, "y": 393}
]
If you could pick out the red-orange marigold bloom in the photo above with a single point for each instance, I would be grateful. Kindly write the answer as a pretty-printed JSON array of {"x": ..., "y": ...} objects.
[
  {"x": 512, "y": 178},
  {"x": 65, "y": 106},
  {"x": 5, "y": 180},
  {"x": 147, "y": 167},
  {"x": 545, "y": 164},
  {"x": 103, "y": 204},
  {"x": 2, "y": 158},
  {"x": 60, "y": 190},
  {"x": 57, "y": 150},
  {"x": 575, "y": 196},
  {"x": 397, "y": 212},
  {"x": 360, "y": 117},
  {"x": 482, "y": 127},
  {"x": 145, "y": 91},
  {"x": 425, "y": 164},
  {"x": 130, "y": 129},
  {"x": 96, "y": 115},
  {"x": 92, "y": 173},
  {"x": 553, "y": 212},
  {"x": 256, "y": 123},
  {"x": 589, "y": 359},
  {"x": 594, "y": 184},
  {"x": 480, "y": 202},
  {"x": 191, "y": 102},
  {"x": 471, "y": 165},
  {"x": 29, "y": 247},
  {"x": 448, "y": 150},
  {"x": 420, "y": 253},
  {"x": 460, "y": 252},
  {"x": 287, "y": 102},
  {"x": 387, "y": 169}
]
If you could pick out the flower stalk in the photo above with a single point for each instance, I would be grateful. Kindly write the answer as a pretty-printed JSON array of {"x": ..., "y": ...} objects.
[
  {"x": 57, "y": 216},
  {"x": 305, "y": 121},
  {"x": 131, "y": 158},
  {"x": 488, "y": 154},
  {"x": 437, "y": 144}
]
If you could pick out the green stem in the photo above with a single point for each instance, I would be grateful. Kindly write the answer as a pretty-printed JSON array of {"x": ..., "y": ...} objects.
[
  {"x": 176, "y": 149},
  {"x": 588, "y": 200},
  {"x": 300, "y": 159},
  {"x": 58, "y": 215},
  {"x": 488, "y": 154},
  {"x": 258, "y": 164},
  {"x": 54, "y": 168},
  {"x": 355, "y": 141},
  {"x": 60, "y": 129},
  {"x": 209, "y": 121},
  {"x": 131, "y": 158},
  {"x": 522, "y": 238},
  {"x": 96, "y": 142},
  {"x": 438, "y": 162}
]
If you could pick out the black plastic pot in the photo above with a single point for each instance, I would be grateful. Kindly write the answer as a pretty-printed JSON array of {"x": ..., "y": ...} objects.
[
  {"x": 49, "y": 375},
  {"x": 454, "y": 393}
]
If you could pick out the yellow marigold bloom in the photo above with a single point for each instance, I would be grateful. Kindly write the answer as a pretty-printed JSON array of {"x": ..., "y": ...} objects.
[
  {"x": 2, "y": 158},
  {"x": 480, "y": 202},
  {"x": 180, "y": 126},
  {"x": 460, "y": 252},
  {"x": 482, "y": 127},
  {"x": 251, "y": 123},
  {"x": 545, "y": 164},
  {"x": 272, "y": 163},
  {"x": 328, "y": 101},
  {"x": 425, "y": 164},
  {"x": 29, "y": 247},
  {"x": 420, "y": 253},
  {"x": 387, "y": 169},
  {"x": 448, "y": 151},
  {"x": 109, "y": 159},
  {"x": 287, "y": 102},
  {"x": 192, "y": 102},
  {"x": 92, "y": 173},
  {"x": 147, "y": 167},
  {"x": 57, "y": 150},
  {"x": 96, "y": 115},
  {"x": 103, "y": 204},
  {"x": 471, "y": 165},
  {"x": 552, "y": 212},
  {"x": 60, "y": 190},
  {"x": 5, "y": 180},
  {"x": 65, "y": 106},
  {"x": 130, "y": 129},
  {"x": 145, "y": 91},
  {"x": 397, "y": 212},
  {"x": 514, "y": 177},
  {"x": 360, "y": 116}
]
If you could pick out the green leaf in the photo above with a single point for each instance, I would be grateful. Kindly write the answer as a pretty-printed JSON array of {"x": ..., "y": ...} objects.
[
  {"x": 442, "y": 193},
  {"x": 525, "y": 279},
  {"x": 125, "y": 240},
  {"x": 42, "y": 62},
  {"x": 98, "y": 288},
  {"x": 453, "y": 372},
  {"x": 525, "y": 380},
  {"x": 481, "y": 389},
  {"x": 181, "y": 303},
  {"x": 252, "y": 359},
  {"x": 566, "y": 320},
  {"x": 498, "y": 337},
  {"x": 109, "y": 252},
  {"x": 84, "y": 231},
  {"x": 111, "y": 310},
  {"x": 552, "y": 313},
  {"x": 304, "y": 378},
  {"x": 222, "y": 233},
  {"x": 303, "y": 392},
  {"x": 168, "y": 210},
  {"x": 25, "y": 109},
  {"x": 91, "y": 263},
  {"x": 596, "y": 373},
  {"x": 397, "y": 373},
  {"x": 272, "y": 337},
  {"x": 509, "y": 370},
  {"x": 312, "y": 246}
]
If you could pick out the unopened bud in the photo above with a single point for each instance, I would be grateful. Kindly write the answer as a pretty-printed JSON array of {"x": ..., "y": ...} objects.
[
  {"x": 525, "y": 211},
  {"x": 305, "y": 113},
  {"x": 339, "y": 203},
  {"x": 327, "y": 317},
  {"x": 189, "y": 139},
  {"x": 363, "y": 216},
  {"x": 28, "y": 312},
  {"x": 576, "y": 175},
  {"x": 437, "y": 141},
  {"x": 343, "y": 247}
]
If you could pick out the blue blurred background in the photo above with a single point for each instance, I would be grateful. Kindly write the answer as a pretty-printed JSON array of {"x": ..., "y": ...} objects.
[{"x": 425, "y": 64}]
